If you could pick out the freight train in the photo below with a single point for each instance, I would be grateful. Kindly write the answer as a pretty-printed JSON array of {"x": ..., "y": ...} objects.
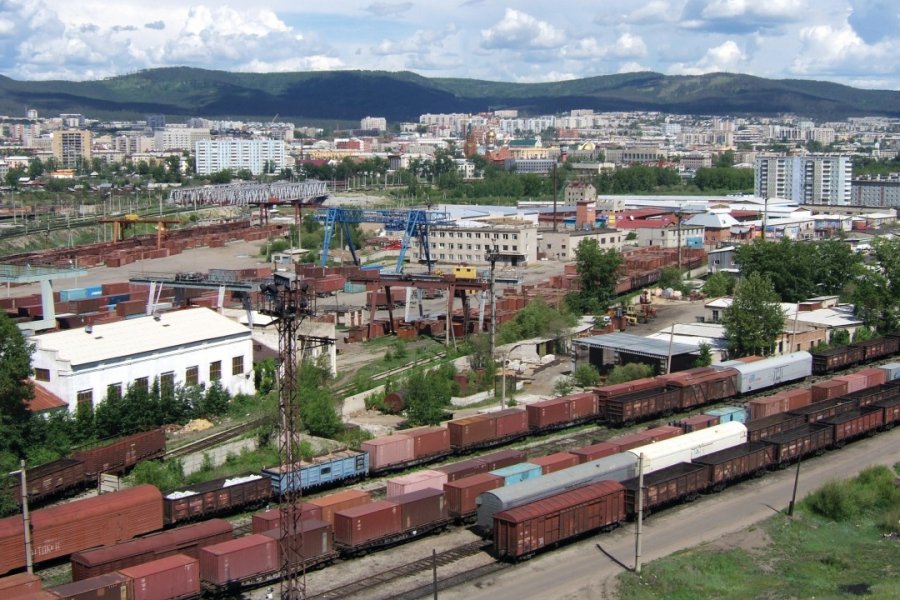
[
  {"x": 557, "y": 503},
  {"x": 66, "y": 475},
  {"x": 615, "y": 404}
]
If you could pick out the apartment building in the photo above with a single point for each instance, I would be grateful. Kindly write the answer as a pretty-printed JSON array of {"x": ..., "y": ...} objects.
[
  {"x": 879, "y": 191},
  {"x": 812, "y": 179},
  {"x": 71, "y": 147},
  {"x": 212, "y": 156},
  {"x": 179, "y": 137}
]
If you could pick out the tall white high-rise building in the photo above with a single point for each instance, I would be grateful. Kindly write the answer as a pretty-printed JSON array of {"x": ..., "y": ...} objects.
[
  {"x": 812, "y": 179},
  {"x": 212, "y": 156}
]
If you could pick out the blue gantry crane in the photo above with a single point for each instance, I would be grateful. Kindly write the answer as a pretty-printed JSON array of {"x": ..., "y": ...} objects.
[{"x": 413, "y": 222}]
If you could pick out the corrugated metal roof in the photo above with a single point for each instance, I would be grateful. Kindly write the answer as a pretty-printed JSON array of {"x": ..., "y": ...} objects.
[
  {"x": 635, "y": 344},
  {"x": 139, "y": 336},
  {"x": 44, "y": 399}
]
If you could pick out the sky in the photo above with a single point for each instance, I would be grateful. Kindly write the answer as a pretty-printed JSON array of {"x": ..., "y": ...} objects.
[{"x": 854, "y": 42}]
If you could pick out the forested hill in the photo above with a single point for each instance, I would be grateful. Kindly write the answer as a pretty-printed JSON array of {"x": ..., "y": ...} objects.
[{"x": 403, "y": 96}]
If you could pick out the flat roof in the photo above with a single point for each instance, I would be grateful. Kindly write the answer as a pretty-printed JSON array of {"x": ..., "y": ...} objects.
[
  {"x": 130, "y": 337},
  {"x": 636, "y": 344}
]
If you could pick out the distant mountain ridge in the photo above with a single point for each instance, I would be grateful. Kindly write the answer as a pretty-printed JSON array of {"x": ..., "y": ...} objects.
[{"x": 403, "y": 96}]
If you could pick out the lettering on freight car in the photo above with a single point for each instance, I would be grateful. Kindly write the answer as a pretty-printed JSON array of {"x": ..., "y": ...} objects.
[{"x": 45, "y": 549}]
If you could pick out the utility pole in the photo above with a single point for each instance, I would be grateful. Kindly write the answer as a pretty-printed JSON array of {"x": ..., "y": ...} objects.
[
  {"x": 794, "y": 494},
  {"x": 555, "y": 228},
  {"x": 289, "y": 300},
  {"x": 640, "y": 515},
  {"x": 26, "y": 518}
]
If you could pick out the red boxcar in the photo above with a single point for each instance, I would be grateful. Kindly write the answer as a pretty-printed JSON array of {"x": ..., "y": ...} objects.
[
  {"x": 680, "y": 482},
  {"x": 503, "y": 458},
  {"x": 169, "y": 578},
  {"x": 525, "y": 529},
  {"x": 702, "y": 385},
  {"x": 855, "y": 423},
  {"x": 637, "y": 406},
  {"x": 760, "y": 429},
  {"x": 20, "y": 584},
  {"x": 215, "y": 497},
  {"x": 697, "y": 422},
  {"x": 732, "y": 464},
  {"x": 48, "y": 480},
  {"x": 182, "y": 540},
  {"x": 99, "y": 521}
]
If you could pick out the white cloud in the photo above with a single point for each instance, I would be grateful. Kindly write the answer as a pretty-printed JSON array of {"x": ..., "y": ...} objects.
[
  {"x": 726, "y": 57},
  {"x": 633, "y": 67},
  {"x": 828, "y": 50},
  {"x": 629, "y": 46},
  {"x": 520, "y": 30},
  {"x": 655, "y": 11},
  {"x": 421, "y": 42},
  {"x": 767, "y": 9}
]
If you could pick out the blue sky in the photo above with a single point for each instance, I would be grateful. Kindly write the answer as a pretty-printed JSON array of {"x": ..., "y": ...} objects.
[{"x": 855, "y": 42}]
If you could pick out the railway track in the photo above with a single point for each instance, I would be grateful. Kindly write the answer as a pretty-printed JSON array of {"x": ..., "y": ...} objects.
[
  {"x": 425, "y": 591},
  {"x": 213, "y": 440},
  {"x": 385, "y": 578}
]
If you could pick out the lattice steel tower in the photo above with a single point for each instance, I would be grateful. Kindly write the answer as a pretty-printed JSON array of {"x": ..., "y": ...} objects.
[{"x": 289, "y": 300}]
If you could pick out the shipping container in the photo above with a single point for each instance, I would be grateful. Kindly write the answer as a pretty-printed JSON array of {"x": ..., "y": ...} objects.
[
  {"x": 463, "y": 469},
  {"x": 511, "y": 423},
  {"x": 270, "y": 519},
  {"x": 733, "y": 464},
  {"x": 420, "y": 480},
  {"x": 663, "y": 432},
  {"x": 102, "y": 587},
  {"x": 461, "y": 494},
  {"x": 472, "y": 432},
  {"x": 855, "y": 382},
  {"x": 239, "y": 559},
  {"x": 170, "y": 578},
  {"x": 760, "y": 429},
  {"x": 826, "y": 390},
  {"x": 422, "y": 510},
  {"x": 185, "y": 540},
  {"x": 340, "y": 501},
  {"x": 855, "y": 423},
  {"x": 335, "y": 467},
  {"x": 618, "y": 467},
  {"x": 388, "y": 451},
  {"x": 684, "y": 448},
  {"x": 596, "y": 451},
  {"x": 891, "y": 371},
  {"x": 726, "y": 414},
  {"x": 874, "y": 376},
  {"x": 216, "y": 497},
  {"x": 518, "y": 473},
  {"x": 354, "y": 527},
  {"x": 18, "y": 585},
  {"x": 632, "y": 440},
  {"x": 696, "y": 423},
  {"x": 521, "y": 531},
  {"x": 429, "y": 442},
  {"x": 503, "y": 458},
  {"x": 314, "y": 542},
  {"x": 555, "y": 462},
  {"x": 676, "y": 483},
  {"x": 790, "y": 446}
]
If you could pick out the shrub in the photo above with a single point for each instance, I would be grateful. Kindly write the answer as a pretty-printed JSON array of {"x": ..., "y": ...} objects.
[
  {"x": 586, "y": 375},
  {"x": 629, "y": 372}
]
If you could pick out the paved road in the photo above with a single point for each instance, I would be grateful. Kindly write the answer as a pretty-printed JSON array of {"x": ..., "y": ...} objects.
[{"x": 581, "y": 571}]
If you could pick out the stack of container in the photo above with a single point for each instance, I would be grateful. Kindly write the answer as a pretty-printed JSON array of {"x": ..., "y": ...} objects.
[
  {"x": 237, "y": 559},
  {"x": 461, "y": 494},
  {"x": 333, "y": 503},
  {"x": 172, "y": 577}
]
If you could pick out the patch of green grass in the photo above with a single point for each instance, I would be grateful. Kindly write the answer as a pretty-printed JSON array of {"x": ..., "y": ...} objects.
[
  {"x": 248, "y": 461},
  {"x": 827, "y": 545}
]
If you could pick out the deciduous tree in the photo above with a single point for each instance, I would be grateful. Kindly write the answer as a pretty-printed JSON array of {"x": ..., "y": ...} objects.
[
  {"x": 754, "y": 320},
  {"x": 597, "y": 270}
]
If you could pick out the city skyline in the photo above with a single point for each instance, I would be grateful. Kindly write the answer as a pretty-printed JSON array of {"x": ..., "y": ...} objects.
[{"x": 854, "y": 42}]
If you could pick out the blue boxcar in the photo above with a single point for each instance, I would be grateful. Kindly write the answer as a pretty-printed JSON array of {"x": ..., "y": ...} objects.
[
  {"x": 518, "y": 473},
  {"x": 729, "y": 413},
  {"x": 322, "y": 470}
]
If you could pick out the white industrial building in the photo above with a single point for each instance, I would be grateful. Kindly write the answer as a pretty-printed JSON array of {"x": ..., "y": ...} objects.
[
  {"x": 188, "y": 347},
  {"x": 213, "y": 156}
]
